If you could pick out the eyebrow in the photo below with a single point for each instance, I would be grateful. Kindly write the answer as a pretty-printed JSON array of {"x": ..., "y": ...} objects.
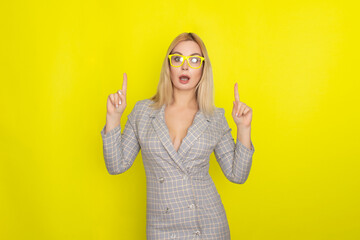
[{"x": 190, "y": 55}]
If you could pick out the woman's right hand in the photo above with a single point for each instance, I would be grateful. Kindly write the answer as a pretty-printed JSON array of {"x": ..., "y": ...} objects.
[{"x": 116, "y": 102}]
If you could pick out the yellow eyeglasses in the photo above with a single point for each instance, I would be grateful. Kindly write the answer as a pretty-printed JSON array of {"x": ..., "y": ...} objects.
[{"x": 177, "y": 60}]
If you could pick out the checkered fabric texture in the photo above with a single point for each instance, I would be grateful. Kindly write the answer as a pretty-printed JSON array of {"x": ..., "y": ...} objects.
[{"x": 182, "y": 200}]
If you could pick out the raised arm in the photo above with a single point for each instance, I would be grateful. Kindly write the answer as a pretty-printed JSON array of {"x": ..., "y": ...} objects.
[
  {"x": 119, "y": 150},
  {"x": 235, "y": 159}
]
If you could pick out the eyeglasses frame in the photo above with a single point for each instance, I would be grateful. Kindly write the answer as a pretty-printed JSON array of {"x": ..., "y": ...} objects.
[{"x": 186, "y": 58}]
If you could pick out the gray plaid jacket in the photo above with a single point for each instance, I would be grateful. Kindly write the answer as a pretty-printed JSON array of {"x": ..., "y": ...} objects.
[{"x": 182, "y": 200}]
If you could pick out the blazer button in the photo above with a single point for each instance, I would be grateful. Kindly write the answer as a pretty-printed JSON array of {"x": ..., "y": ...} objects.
[
  {"x": 192, "y": 206},
  {"x": 167, "y": 209},
  {"x": 185, "y": 177},
  {"x": 161, "y": 179},
  {"x": 197, "y": 232},
  {"x": 173, "y": 235}
]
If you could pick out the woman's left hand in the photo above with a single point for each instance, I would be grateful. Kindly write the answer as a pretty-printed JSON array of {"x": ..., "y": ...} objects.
[{"x": 242, "y": 114}]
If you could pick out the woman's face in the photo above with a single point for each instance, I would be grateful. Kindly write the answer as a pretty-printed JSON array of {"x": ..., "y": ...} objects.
[{"x": 186, "y": 48}]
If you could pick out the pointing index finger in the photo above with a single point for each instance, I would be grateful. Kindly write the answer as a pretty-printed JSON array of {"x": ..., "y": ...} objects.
[
  {"x": 236, "y": 92},
  {"x": 124, "y": 85}
]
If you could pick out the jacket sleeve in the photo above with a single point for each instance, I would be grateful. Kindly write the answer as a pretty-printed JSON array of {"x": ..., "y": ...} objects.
[
  {"x": 120, "y": 150},
  {"x": 234, "y": 159}
]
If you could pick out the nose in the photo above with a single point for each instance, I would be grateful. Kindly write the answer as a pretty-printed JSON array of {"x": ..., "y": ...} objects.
[{"x": 185, "y": 65}]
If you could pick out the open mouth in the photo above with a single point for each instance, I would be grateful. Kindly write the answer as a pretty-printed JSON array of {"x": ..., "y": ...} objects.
[{"x": 184, "y": 78}]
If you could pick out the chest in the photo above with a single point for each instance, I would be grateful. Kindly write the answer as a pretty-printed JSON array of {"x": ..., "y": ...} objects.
[{"x": 178, "y": 123}]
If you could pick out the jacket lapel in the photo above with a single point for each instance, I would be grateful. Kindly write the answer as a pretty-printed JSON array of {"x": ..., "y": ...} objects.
[
  {"x": 199, "y": 125},
  {"x": 197, "y": 128}
]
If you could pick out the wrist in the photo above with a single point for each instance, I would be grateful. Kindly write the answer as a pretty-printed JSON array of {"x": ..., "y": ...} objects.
[
  {"x": 113, "y": 118},
  {"x": 243, "y": 128}
]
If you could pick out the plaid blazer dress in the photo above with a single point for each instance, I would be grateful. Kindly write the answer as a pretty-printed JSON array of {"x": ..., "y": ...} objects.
[{"x": 182, "y": 200}]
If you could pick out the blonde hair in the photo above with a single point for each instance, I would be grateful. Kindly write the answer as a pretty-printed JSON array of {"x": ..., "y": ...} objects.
[{"x": 204, "y": 88}]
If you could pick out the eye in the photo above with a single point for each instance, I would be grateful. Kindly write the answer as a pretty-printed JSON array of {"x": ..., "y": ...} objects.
[
  {"x": 195, "y": 59},
  {"x": 177, "y": 58}
]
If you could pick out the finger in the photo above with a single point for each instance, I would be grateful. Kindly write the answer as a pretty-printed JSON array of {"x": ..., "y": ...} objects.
[
  {"x": 242, "y": 108},
  {"x": 112, "y": 99},
  {"x": 116, "y": 96},
  {"x": 123, "y": 99},
  {"x": 246, "y": 110},
  {"x": 120, "y": 96},
  {"x": 236, "y": 92},
  {"x": 238, "y": 110},
  {"x": 124, "y": 85},
  {"x": 234, "y": 108}
]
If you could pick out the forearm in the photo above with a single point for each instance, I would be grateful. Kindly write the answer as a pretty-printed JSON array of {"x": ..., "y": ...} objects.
[
  {"x": 111, "y": 123},
  {"x": 244, "y": 136},
  {"x": 119, "y": 149}
]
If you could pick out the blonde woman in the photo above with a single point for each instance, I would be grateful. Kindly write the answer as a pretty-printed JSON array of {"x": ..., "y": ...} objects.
[{"x": 177, "y": 130}]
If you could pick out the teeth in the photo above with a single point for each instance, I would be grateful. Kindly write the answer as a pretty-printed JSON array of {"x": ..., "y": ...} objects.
[{"x": 184, "y": 78}]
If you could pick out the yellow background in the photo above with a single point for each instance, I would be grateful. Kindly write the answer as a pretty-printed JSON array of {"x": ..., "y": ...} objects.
[{"x": 297, "y": 66}]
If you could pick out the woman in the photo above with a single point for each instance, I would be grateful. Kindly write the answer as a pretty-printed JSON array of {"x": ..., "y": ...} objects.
[{"x": 177, "y": 130}]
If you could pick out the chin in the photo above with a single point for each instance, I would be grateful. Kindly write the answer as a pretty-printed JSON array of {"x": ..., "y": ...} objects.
[{"x": 182, "y": 88}]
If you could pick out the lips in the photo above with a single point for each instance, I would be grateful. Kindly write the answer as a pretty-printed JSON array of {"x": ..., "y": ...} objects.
[{"x": 184, "y": 75}]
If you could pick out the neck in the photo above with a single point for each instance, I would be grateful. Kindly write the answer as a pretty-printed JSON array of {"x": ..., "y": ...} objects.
[{"x": 184, "y": 99}]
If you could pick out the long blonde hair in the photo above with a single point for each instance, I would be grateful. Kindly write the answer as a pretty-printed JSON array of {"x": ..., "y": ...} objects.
[{"x": 204, "y": 88}]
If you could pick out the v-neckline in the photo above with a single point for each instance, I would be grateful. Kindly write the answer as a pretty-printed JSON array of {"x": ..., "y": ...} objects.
[{"x": 187, "y": 132}]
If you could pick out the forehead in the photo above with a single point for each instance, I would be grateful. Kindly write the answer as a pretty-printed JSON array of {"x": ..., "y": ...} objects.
[{"x": 187, "y": 47}]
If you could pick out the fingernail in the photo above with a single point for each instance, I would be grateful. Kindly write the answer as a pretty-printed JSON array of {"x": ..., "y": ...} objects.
[
  {"x": 117, "y": 106},
  {"x": 119, "y": 101},
  {"x": 119, "y": 92}
]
